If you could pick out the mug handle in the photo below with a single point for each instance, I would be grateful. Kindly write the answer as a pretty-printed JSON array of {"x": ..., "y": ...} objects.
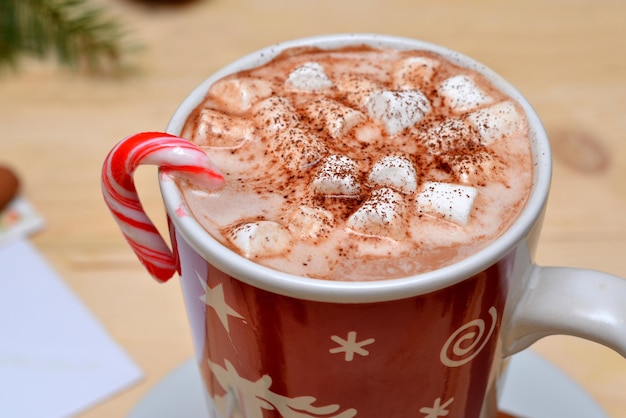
[
  {"x": 169, "y": 153},
  {"x": 571, "y": 301}
]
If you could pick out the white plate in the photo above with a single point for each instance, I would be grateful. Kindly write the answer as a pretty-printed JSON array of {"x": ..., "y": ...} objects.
[{"x": 534, "y": 389}]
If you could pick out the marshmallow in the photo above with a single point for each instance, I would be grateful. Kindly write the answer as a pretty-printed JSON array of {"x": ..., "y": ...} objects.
[
  {"x": 336, "y": 118},
  {"x": 356, "y": 89},
  {"x": 338, "y": 176},
  {"x": 395, "y": 172},
  {"x": 461, "y": 94},
  {"x": 452, "y": 202},
  {"x": 237, "y": 95},
  {"x": 452, "y": 133},
  {"x": 274, "y": 114},
  {"x": 380, "y": 215},
  {"x": 260, "y": 238},
  {"x": 414, "y": 72},
  {"x": 216, "y": 129},
  {"x": 298, "y": 148},
  {"x": 311, "y": 222},
  {"x": 497, "y": 121},
  {"x": 290, "y": 140},
  {"x": 475, "y": 167},
  {"x": 308, "y": 77},
  {"x": 398, "y": 109}
]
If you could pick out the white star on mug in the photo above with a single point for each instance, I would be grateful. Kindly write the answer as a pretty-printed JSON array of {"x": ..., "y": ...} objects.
[{"x": 214, "y": 298}]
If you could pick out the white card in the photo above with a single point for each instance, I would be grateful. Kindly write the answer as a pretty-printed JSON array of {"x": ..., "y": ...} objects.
[{"x": 56, "y": 359}]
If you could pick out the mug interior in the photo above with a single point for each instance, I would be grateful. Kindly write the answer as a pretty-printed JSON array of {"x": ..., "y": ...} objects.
[{"x": 287, "y": 284}]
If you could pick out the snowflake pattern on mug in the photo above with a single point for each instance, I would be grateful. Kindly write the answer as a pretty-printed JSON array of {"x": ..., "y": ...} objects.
[
  {"x": 249, "y": 398},
  {"x": 350, "y": 346},
  {"x": 438, "y": 409}
]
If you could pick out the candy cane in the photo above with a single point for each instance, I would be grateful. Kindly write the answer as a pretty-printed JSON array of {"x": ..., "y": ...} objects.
[{"x": 170, "y": 153}]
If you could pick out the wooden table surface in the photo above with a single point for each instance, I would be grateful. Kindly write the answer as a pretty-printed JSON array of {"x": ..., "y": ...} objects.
[{"x": 568, "y": 58}]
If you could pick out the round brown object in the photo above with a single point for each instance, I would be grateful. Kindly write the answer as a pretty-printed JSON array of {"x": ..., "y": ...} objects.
[{"x": 9, "y": 185}]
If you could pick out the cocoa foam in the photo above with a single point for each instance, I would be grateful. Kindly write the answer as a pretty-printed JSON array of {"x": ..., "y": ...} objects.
[{"x": 359, "y": 163}]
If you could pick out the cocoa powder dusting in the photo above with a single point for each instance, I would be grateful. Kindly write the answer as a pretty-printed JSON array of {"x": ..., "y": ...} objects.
[{"x": 307, "y": 160}]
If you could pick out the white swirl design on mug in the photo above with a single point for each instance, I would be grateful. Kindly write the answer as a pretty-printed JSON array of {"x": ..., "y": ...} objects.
[{"x": 467, "y": 341}]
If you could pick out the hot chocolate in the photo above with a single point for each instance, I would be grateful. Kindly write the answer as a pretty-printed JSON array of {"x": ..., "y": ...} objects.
[{"x": 359, "y": 163}]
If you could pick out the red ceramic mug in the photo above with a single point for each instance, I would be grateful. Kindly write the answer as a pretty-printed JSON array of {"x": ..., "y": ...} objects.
[{"x": 432, "y": 345}]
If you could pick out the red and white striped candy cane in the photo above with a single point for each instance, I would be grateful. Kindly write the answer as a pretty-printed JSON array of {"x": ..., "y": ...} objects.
[{"x": 169, "y": 152}]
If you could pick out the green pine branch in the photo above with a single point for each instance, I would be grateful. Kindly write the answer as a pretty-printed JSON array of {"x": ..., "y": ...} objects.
[{"x": 81, "y": 37}]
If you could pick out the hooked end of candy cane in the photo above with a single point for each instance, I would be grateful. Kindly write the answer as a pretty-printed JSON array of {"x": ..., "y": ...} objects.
[
  {"x": 160, "y": 274},
  {"x": 205, "y": 177},
  {"x": 170, "y": 153},
  {"x": 151, "y": 250}
]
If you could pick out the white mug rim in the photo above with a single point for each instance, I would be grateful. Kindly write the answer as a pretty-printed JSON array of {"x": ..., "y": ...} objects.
[{"x": 301, "y": 287}]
